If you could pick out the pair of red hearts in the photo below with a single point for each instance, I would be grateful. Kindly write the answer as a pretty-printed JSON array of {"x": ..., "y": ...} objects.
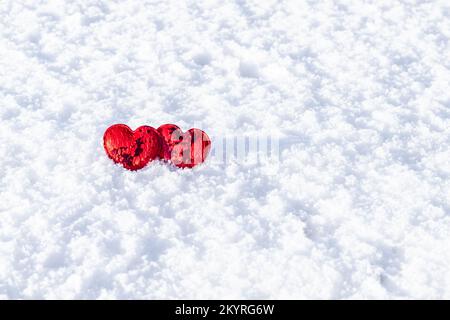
[{"x": 135, "y": 149}]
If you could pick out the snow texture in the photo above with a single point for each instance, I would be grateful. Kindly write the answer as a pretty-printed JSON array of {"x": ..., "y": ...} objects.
[{"x": 357, "y": 206}]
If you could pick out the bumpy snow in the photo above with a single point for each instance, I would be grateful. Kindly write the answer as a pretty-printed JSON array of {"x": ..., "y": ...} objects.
[{"x": 357, "y": 205}]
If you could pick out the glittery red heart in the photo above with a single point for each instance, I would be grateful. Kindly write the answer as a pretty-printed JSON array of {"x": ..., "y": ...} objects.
[
  {"x": 132, "y": 149},
  {"x": 185, "y": 150}
]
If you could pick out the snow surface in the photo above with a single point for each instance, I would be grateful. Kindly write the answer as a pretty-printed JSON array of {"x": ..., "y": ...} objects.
[{"x": 356, "y": 207}]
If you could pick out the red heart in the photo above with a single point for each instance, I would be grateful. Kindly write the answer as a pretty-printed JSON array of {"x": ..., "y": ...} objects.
[
  {"x": 132, "y": 149},
  {"x": 185, "y": 150}
]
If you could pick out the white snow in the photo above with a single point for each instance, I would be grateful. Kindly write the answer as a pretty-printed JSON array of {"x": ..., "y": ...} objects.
[{"x": 357, "y": 206}]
